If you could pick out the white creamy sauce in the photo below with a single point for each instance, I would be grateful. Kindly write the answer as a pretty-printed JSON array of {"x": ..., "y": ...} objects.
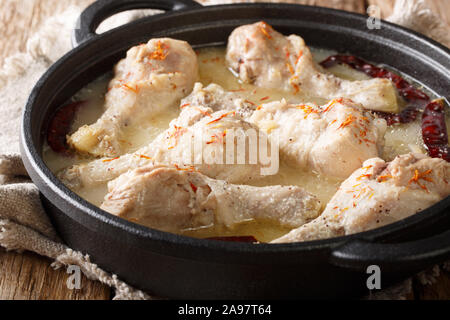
[{"x": 400, "y": 139}]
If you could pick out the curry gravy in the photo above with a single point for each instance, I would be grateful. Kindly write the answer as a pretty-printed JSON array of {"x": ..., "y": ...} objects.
[{"x": 400, "y": 139}]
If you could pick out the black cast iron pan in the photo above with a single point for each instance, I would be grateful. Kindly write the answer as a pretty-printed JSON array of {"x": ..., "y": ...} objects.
[{"x": 174, "y": 266}]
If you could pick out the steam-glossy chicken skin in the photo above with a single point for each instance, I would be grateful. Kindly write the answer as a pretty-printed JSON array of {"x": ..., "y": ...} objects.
[
  {"x": 378, "y": 194},
  {"x": 215, "y": 98},
  {"x": 264, "y": 57},
  {"x": 202, "y": 145},
  {"x": 333, "y": 140},
  {"x": 153, "y": 77},
  {"x": 176, "y": 200}
]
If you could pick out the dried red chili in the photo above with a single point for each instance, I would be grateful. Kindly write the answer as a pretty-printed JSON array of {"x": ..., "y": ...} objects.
[
  {"x": 60, "y": 125},
  {"x": 416, "y": 99},
  {"x": 434, "y": 128}
]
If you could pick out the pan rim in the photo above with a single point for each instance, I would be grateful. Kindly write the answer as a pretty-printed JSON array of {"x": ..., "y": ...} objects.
[{"x": 35, "y": 163}]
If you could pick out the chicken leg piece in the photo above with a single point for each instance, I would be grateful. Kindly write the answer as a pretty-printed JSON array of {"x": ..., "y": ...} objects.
[
  {"x": 204, "y": 145},
  {"x": 215, "y": 98},
  {"x": 171, "y": 200},
  {"x": 333, "y": 140},
  {"x": 264, "y": 57},
  {"x": 378, "y": 194},
  {"x": 152, "y": 78}
]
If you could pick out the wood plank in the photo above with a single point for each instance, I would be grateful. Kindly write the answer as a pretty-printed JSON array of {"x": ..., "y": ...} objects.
[
  {"x": 19, "y": 19},
  {"x": 28, "y": 276}
]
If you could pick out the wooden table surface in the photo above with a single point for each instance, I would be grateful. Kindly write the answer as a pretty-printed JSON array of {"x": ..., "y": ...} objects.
[{"x": 28, "y": 276}]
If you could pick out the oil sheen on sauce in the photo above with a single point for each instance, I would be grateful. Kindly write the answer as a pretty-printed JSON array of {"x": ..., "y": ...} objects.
[{"x": 400, "y": 139}]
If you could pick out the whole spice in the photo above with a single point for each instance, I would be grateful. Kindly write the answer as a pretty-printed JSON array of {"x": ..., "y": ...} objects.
[
  {"x": 434, "y": 128},
  {"x": 60, "y": 125}
]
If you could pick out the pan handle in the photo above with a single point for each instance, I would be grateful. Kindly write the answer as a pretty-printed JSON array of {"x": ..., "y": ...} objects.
[
  {"x": 100, "y": 10},
  {"x": 393, "y": 257}
]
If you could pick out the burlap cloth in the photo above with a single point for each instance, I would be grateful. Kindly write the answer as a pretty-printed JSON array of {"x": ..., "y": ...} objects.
[{"x": 24, "y": 224}]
